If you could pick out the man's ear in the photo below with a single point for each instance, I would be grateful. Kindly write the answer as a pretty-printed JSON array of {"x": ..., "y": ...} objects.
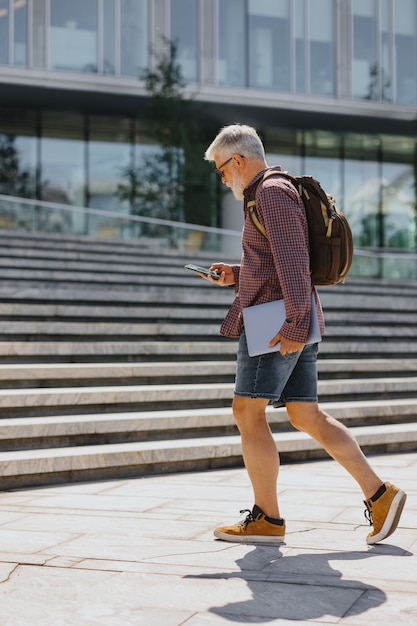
[{"x": 239, "y": 161}]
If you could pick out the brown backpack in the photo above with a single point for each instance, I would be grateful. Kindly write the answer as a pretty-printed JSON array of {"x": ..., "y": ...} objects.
[{"x": 330, "y": 236}]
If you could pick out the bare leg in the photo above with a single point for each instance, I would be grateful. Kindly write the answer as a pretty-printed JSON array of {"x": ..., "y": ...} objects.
[
  {"x": 260, "y": 453},
  {"x": 337, "y": 441}
]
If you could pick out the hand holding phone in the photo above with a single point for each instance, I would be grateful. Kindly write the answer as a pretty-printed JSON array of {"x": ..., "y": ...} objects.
[{"x": 202, "y": 270}]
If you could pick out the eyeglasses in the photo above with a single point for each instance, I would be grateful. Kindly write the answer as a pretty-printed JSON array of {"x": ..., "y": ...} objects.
[{"x": 219, "y": 170}]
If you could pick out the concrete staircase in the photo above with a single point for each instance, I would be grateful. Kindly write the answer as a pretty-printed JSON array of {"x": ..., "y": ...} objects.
[{"x": 111, "y": 364}]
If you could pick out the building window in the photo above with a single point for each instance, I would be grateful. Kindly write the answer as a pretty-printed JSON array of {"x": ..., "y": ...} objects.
[
  {"x": 365, "y": 69},
  {"x": 361, "y": 200},
  {"x": 384, "y": 30},
  {"x": 300, "y": 44},
  {"x": 13, "y": 32},
  {"x": 184, "y": 34},
  {"x": 322, "y": 51},
  {"x": 405, "y": 20},
  {"x": 18, "y": 153},
  {"x": 39, "y": 38},
  {"x": 73, "y": 35},
  {"x": 291, "y": 45},
  {"x": 62, "y": 163},
  {"x": 4, "y": 32},
  {"x": 133, "y": 37},
  {"x": 20, "y": 32},
  {"x": 386, "y": 51},
  {"x": 232, "y": 43},
  {"x": 109, "y": 44},
  {"x": 109, "y": 158},
  {"x": 269, "y": 44}
]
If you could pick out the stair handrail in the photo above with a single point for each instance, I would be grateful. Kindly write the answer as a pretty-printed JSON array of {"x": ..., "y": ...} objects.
[
  {"x": 125, "y": 216},
  {"x": 367, "y": 263}
]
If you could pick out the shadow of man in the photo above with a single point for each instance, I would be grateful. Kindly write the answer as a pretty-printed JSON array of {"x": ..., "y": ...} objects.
[{"x": 300, "y": 587}]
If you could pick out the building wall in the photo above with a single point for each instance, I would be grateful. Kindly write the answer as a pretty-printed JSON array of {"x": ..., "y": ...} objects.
[{"x": 331, "y": 85}]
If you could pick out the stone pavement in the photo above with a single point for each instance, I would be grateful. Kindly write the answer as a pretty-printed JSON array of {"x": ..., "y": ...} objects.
[{"x": 141, "y": 552}]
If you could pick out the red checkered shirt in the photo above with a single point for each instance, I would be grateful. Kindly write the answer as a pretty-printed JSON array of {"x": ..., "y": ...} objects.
[{"x": 277, "y": 267}]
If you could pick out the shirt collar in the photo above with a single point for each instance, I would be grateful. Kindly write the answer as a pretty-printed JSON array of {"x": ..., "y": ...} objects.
[{"x": 258, "y": 177}]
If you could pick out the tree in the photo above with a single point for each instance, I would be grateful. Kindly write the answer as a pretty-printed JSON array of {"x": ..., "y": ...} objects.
[
  {"x": 13, "y": 180},
  {"x": 171, "y": 180}
]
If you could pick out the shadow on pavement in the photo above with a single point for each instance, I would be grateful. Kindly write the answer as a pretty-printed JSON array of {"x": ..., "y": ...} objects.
[{"x": 300, "y": 587}]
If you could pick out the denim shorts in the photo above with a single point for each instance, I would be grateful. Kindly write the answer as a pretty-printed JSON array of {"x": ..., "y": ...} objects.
[{"x": 278, "y": 378}]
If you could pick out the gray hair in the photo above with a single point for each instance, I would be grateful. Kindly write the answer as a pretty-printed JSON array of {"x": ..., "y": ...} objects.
[{"x": 236, "y": 139}]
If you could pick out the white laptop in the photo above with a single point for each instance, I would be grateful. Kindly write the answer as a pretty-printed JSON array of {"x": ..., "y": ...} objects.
[{"x": 263, "y": 321}]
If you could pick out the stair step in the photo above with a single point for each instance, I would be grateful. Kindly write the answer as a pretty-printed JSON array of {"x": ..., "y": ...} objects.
[
  {"x": 336, "y": 298},
  {"x": 38, "y": 431},
  {"x": 50, "y": 312},
  {"x": 201, "y": 328},
  {"x": 73, "y": 293},
  {"x": 46, "y": 243},
  {"x": 107, "y": 264},
  {"x": 65, "y": 399},
  {"x": 115, "y": 280},
  {"x": 143, "y": 328},
  {"x": 91, "y": 329},
  {"x": 101, "y": 312},
  {"x": 11, "y": 351},
  {"x": 119, "y": 373},
  {"x": 111, "y": 363},
  {"x": 111, "y": 350},
  {"x": 36, "y": 467}
]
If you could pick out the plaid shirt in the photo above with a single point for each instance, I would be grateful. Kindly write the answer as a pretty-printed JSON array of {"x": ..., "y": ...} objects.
[{"x": 277, "y": 267}]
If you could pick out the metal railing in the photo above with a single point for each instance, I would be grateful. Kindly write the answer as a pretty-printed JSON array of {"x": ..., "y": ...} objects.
[
  {"x": 50, "y": 217},
  {"x": 29, "y": 215},
  {"x": 396, "y": 265}
]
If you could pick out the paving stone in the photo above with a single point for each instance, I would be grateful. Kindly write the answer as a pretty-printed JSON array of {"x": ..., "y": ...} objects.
[{"x": 106, "y": 553}]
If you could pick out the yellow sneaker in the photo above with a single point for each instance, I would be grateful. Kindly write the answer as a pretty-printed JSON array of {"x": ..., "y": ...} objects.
[
  {"x": 383, "y": 511},
  {"x": 255, "y": 528}
]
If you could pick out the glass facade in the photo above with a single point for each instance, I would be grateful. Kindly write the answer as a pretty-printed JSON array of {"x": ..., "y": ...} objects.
[
  {"x": 372, "y": 178},
  {"x": 96, "y": 36},
  {"x": 67, "y": 158},
  {"x": 359, "y": 49},
  {"x": 287, "y": 46},
  {"x": 83, "y": 160},
  {"x": 384, "y": 64},
  {"x": 270, "y": 44}
]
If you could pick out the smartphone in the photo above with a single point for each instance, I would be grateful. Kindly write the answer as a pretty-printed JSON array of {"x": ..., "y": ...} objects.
[{"x": 202, "y": 270}]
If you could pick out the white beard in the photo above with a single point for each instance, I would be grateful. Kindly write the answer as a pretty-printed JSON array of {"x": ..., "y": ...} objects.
[{"x": 237, "y": 186}]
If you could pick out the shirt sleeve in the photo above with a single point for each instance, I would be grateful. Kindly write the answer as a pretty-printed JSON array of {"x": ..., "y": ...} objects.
[
  {"x": 236, "y": 274},
  {"x": 282, "y": 213}
]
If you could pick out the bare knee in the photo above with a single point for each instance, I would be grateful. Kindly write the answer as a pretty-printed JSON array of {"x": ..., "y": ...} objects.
[
  {"x": 249, "y": 413},
  {"x": 304, "y": 415}
]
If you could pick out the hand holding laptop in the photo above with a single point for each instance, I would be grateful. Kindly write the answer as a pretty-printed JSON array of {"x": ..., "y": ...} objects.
[{"x": 263, "y": 322}]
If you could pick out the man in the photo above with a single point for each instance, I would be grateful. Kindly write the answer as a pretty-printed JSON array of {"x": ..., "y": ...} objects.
[{"x": 272, "y": 268}]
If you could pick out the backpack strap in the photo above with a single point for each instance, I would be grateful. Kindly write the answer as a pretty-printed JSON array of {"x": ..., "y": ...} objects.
[
  {"x": 251, "y": 205},
  {"x": 255, "y": 219}
]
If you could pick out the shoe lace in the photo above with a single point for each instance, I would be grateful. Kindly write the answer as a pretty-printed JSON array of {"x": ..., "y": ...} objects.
[
  {"x": 368, "y": 514},
  {"x": 248, "y": 519}
]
